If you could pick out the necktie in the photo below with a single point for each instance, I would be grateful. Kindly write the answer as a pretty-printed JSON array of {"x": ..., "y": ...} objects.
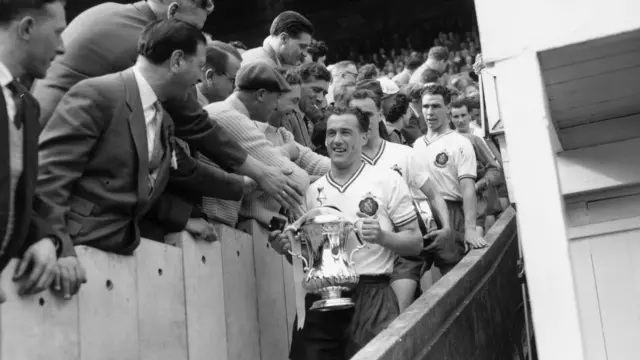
[
  {"x": 156, "y": 153},
  {"x": 17, "y": 100}
]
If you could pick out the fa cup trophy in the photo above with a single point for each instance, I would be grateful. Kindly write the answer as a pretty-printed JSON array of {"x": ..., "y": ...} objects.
[{"x": 329, "y": 268}]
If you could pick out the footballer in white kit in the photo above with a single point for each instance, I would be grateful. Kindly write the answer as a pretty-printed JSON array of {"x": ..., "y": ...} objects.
[
  {"x": 451, "y": 162},
  {"x": 399, "y": 158},
  {"x": 380, "y": 200}
]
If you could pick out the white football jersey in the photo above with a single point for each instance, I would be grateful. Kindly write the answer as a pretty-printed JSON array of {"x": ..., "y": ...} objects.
[
  {"x": 400, "y": 159},
  {"x": 449, "y": 158},
  {"x": 375, "y": 191}
]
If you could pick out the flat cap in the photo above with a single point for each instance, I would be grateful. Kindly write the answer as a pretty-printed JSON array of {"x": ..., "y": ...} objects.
[{"x": 261, "y": 75}]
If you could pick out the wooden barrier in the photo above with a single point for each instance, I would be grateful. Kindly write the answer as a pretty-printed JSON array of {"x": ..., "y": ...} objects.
[
  {"x": 194, "y": 300},
  {"x": 471, "y": 313}
]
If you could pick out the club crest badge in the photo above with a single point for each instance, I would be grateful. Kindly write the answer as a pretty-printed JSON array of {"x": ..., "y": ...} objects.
[
  {"x": 321, "y": 196},
  {"x": 369, "y": 205},
  {"x": 442, "y": 159},
  {"x": 397, "y": 169}
]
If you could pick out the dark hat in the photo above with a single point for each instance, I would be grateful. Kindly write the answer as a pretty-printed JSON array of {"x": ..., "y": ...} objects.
[
  {"x": 261, "y": 75},
  {"x": 371, "y": 85}
]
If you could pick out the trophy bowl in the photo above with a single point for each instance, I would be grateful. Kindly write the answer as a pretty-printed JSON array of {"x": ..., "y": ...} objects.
[{"x": 329, "y": 267}]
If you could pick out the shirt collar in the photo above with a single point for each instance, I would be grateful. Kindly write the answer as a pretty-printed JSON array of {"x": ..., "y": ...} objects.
[
  {"x": 5, "y": 75},
  {"x": 271, "y": 51},
  {"x": 148, "y": 97},
  {"x": 235, "y": 103}
]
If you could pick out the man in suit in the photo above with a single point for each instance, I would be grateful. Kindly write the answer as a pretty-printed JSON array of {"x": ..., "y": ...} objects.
[
  {"x": 103, "y": 40},
  {"x": 287, "y": 44},
  {"x": 105, "y": 154},
  {"x": 29, "y": 39}
]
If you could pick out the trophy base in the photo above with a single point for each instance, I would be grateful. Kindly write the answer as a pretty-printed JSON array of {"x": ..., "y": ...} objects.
[
  {"x": 332, "y": 300},
  {"x": 332, "y": 304}
]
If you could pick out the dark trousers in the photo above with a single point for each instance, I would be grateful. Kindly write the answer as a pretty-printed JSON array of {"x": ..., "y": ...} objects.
[{"x": 340, "y": 334}]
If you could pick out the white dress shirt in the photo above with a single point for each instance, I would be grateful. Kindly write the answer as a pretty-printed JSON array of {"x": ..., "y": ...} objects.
[{"x": 148, "y": 98}]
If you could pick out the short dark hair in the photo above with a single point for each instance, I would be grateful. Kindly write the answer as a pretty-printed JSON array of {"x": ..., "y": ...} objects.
[
  {"x": 291, "y": 76},
  {"x": 413, "y": 91},
  {"x": 398, "y": 109},
  {"x": 437, "y": 89},
  {"x": 414, "y": 61},
  {"x": 310, "y": 71},
  {"x": 292, "y": 23},
  {"x": 227, "y": 47},
  {"x": 217, "y": 59},
  {"x": 367, "y": 72},
  {"x": 364, "y": 118},
  {"x": 459, "y": 104},
  {"x": 473, "y": 102},
  {"x": 12, "y": 9},
  {"x": 439, "y": 53},
  {"x": 362, "y": 94},
  {"x": 318, "y": 49},
  {"x": 430, "y": 76},
  {"x": 238, "y": 45},
  {"x": 161, "y": 38}
]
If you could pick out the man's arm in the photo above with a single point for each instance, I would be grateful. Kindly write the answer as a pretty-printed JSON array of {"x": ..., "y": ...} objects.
[
  {"x": 194, "y": 126},
  {"x": 65, "y": 145},
  {"x": 439, "y": 205},
  {"x": 407, "y": 241},
  {"x": 466, "y": 167},
  {"x": 313, "y": 163},
  {"x": 199, "y": 176}
]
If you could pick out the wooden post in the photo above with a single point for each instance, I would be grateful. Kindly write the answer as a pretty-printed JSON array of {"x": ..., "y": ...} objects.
[{"x": 541, "y": 215}]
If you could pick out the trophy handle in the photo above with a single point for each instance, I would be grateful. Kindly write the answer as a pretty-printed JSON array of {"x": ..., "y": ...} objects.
[
  {"x": 299, "y": 256},
  {"x": 357, "y": 230}
]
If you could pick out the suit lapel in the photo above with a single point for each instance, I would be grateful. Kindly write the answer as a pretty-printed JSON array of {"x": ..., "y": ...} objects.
[{"x": 137, "y": 125}]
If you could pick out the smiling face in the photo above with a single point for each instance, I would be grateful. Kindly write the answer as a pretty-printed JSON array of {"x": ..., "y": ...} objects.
[
  {"x": 312, "y": 96},
  {"x": 186, "y": 70},
  {"x": 344, "y": 140},
  {"x": 435, "y": 111},
  {"x": 293, "y": 50},
  {"x": 41, "y": 33}
]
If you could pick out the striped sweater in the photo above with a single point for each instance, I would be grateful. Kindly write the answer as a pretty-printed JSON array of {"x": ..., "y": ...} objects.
[{"x": 234, "y": 117}]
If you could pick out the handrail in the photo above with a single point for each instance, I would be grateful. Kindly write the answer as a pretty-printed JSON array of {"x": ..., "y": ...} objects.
[{"x": 459, "y": 306}]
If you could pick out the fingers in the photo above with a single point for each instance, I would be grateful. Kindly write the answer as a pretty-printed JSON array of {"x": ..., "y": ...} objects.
[
  {"x": 23, "y": 265},
  {"x": 57, "y": 282},
  {"x": 287, "y": 171},
  {"x": 362, "y": 215},
  {"x": 65, "y": 274},
  {"x": 28, "y": 287},
  {"x": 74, "y": 283},
  {"x": 46, "y": 279},
  {"x": 293, "y": 192}
]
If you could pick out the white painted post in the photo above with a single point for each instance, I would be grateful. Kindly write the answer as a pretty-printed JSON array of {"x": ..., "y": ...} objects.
[{"x": 540, "y": 205}]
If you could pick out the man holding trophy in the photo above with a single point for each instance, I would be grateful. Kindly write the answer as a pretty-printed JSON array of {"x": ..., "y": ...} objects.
[{"x": 376, "y": 203}]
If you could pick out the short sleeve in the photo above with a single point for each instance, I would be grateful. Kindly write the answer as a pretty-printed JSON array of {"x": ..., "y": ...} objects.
[
  {"x": 400, "y": 206},
  {"x": 468, "y": 164}
]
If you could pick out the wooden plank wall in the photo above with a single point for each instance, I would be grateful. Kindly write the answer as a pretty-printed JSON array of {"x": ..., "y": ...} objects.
[
  {"x": 229, "y": 300},
  {"x": 605, "y": 254}
]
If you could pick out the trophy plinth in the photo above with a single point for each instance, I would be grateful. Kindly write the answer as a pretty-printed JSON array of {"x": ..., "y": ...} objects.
[{"x": 332, "y": 299}]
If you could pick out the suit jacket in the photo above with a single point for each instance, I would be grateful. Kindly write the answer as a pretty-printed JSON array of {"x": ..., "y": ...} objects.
[
  {"x": 264, "y": 53},
  {"x": 94, "y": 164},
  {"x": 103, "y": 40},
  {"x": 29, "y": 226}
]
